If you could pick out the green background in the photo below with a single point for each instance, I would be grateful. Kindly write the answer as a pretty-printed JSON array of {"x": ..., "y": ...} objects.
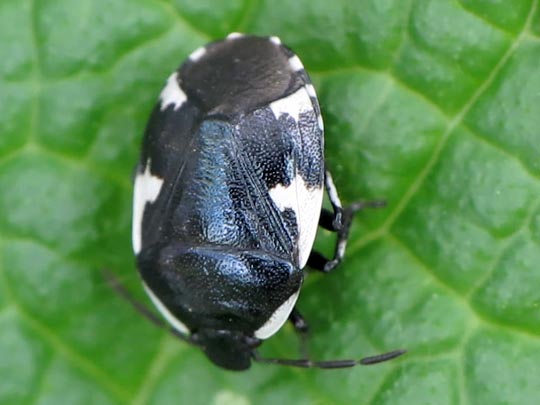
[{"x": 430, "y": 104}]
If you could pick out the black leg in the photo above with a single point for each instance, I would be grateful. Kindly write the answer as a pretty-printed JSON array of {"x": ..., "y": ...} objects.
[
  {"x": 302, "y": 328},
  {"x": 298, "y": 321},
  {"x": 338, "y": 221},
  {"x": 327, "y": 220},
  {"x": 337, "y": 207}
]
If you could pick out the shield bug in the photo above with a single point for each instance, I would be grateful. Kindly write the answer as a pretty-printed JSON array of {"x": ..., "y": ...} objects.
[{"x": 228, "y": 197}]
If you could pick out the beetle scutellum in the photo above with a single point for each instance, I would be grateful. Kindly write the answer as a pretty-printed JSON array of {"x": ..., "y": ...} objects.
[{"x": 228, "y": 197}]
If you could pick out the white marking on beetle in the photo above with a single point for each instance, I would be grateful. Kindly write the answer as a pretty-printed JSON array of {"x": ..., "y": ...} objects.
[
  {"x": 163, "y": 310},
  {"x": 295, "y": 63},
  {"x": 293, "y": 104},
  {"x": 197, "y": 54},
  {"x": 277, "y": 319},
  {"x": 146, "y": 190},
  {"x": 172, "y": 93},
  {"x": 275, "y": 40},
  {"x": 235, "y": 35},
  {"x": 306, "y": 202}
]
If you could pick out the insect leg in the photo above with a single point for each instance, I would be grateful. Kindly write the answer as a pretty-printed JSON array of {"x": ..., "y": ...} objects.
[
  {"x": 302, "y": 329},
  {"x": 119, "y": 288},
  {"x": 298, "y": 321},
  {"x": 338, "y": 221}
]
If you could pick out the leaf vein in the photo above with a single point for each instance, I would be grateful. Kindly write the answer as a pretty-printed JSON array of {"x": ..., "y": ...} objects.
[
  {"x": 490, "y": 23},
  {"x": 58, "y": 345},
  {"x": 493, "y": 143},
  {"x": 181, "y": 19},
  {"x": 452, "y": 124}
]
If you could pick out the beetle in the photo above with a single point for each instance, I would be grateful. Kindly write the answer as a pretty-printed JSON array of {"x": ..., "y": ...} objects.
[{"x": 228, "y": 197}]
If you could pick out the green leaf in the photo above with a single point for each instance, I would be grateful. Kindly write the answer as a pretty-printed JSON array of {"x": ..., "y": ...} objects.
[{"x": 429, "y": 104}]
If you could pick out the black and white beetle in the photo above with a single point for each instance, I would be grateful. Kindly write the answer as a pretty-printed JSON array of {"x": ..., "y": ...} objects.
[{"x": 228, "y": 196}]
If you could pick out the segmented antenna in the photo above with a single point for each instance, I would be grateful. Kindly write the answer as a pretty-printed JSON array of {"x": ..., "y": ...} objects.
[
  {"x": 330, "y": 364},
  {"x": 115, "y": 284},
  {"x": 119, "y": 288}
]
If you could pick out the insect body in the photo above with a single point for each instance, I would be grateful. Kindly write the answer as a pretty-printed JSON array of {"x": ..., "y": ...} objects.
[{"x": 228, "y": 196}]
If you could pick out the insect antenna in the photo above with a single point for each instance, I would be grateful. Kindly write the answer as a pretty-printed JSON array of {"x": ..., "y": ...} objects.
[
  {"x": 122, "y": 291},
  {"x": 330, "y": 364}
]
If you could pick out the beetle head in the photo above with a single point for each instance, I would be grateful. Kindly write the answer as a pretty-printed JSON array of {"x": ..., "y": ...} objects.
[{"x": 228, "y": 349}]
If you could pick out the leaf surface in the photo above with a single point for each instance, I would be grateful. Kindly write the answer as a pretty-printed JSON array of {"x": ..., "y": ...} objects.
[{"x": 429, "y": 104}]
